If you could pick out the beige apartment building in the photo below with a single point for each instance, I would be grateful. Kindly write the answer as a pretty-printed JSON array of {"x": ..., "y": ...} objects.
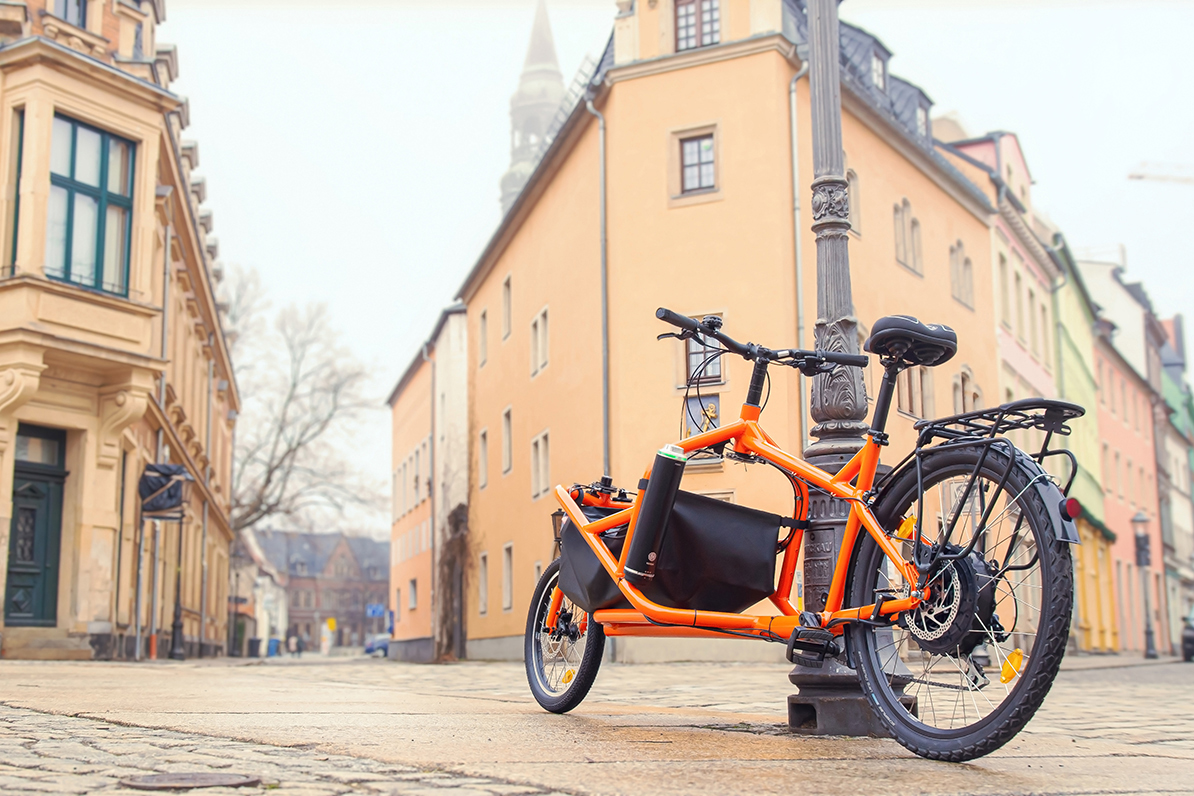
[
  {"x": 429, "y": 557},
  {"x": 693, "y": 108},
  {"x": 111, "y": 350}
]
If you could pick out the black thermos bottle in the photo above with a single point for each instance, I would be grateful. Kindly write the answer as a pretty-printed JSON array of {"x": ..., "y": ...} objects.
[{"x": 653, "y": 515}]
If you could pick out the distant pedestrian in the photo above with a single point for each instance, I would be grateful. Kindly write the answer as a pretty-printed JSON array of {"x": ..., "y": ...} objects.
[
  {"x": 299, "y": 646},
  {"x": 292, "y": 645}
]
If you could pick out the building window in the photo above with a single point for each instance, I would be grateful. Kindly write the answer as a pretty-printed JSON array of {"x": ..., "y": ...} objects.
[
  {"x": 90, "y": 208},
  {"x": 1045, "y": 358},
  {"x": 907, "y": 237},
  {"x": 697, "y": 164},
  {"x": 1033, "y": 337},
  {"x": 914, "y": 392},
  {"x": 961, "y": 272},
  {"x": 914, "y": 239},
  {"x": 412, "y": 595},
  {"x": 397, "y": 605},
  {"x": 507, "y": 307},
  {"x": 967, "y": 395},
  {"x": 855, "y": 200},
  {"x": 72, "y": 11},
  {"x": 508, "y": 577},
  {"x": 1019, "y": 306},
  {"x": 483, "y": 338},
  {"x": 483, "y": 584},
  {"x": 878, "y": 72},
  {"x": 539, "y": 342},
  {"x": 540, "y": 465},
  {"x": 483, "y": 459},
  {"x": 696, "y": 351},
  {"x": 698, "y": 23},
  {"x": 1005, "y": 301},
  {"x": 507, "y": 441}
]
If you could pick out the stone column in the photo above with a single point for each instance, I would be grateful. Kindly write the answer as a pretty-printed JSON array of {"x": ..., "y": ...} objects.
[{"x": 830, "y": 702}]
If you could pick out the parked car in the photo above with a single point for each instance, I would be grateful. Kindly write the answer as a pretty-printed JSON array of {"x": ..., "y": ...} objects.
[
  {"x": 379, "y": 643},
  {"x": 1188, "y": 639}
]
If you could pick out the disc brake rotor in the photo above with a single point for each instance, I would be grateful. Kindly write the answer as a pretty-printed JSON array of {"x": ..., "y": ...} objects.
[{"x": 934, "y": 617}]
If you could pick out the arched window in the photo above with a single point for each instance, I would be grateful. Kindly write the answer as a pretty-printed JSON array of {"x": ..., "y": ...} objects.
[
  {"x": 901, "y": 241},
  {"x": 917, "y": 257},
  {"x": 852, "y": 193}
]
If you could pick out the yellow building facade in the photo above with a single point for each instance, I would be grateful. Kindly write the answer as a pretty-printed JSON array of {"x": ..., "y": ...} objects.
[
  {"x": 111, "y": 349},
  {"x": 699, "y": 186}
]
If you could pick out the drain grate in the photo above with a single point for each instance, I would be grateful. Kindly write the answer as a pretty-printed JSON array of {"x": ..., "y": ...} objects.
[{"x": 184, "y": 781}]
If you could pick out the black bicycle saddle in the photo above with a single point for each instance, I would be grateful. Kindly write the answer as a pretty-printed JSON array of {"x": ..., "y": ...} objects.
[{"x": 905, "y": 338}]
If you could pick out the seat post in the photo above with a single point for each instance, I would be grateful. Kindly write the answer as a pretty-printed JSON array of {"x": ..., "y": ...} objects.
[{"x": 891, "y": 370}]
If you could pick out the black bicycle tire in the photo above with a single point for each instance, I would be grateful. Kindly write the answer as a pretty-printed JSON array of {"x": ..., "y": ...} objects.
[
  {"x": 590, "y": 662},
  {"x": 1000, "y": 726}
]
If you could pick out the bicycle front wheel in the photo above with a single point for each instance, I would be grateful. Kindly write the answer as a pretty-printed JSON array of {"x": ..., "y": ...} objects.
[
  {"x": 959, "y": 676},
  {"x": 561, "y": 662}
]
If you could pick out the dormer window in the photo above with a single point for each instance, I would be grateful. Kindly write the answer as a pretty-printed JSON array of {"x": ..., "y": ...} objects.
[
  {"x": 878, "y": 72},
  {"x": 698, "y": 23},
  {"x": 922, "y": 121}
]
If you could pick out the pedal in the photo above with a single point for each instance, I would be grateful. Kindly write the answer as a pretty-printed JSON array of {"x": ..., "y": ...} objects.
[{"x": 810, "y": 646}]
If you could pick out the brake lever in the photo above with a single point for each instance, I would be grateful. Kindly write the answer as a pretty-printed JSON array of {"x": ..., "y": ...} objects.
[{"x": 684, "y": 335}]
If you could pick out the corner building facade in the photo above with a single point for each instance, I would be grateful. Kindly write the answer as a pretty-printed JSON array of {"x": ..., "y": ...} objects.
[
  {"x": 699, "y": 187},
  {"x": 111, "y": 349}
]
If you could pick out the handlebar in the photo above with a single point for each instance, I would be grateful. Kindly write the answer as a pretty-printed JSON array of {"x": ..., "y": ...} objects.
[{"x": 755, "y": 352}]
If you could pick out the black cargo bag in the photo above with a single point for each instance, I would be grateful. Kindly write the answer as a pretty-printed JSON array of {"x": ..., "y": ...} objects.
[
  {"x": 582, "y": 577},
  {"x": 714, "y": 556}
]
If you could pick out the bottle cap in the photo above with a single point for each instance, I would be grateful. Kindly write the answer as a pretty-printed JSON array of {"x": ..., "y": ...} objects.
[{"x": 673, "y": 452}]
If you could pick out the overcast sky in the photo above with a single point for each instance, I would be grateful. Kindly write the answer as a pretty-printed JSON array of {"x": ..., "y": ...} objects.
[{"x": 353, "y": 150}]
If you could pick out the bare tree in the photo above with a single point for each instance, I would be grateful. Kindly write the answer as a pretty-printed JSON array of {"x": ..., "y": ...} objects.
[{"x": 302, "y": 393}]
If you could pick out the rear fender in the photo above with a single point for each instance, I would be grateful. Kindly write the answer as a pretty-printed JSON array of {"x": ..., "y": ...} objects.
[{"x": 1063, "y": 527}]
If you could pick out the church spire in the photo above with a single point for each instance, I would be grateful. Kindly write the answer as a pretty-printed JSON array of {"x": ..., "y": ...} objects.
[{"x": 540, "y": 91}]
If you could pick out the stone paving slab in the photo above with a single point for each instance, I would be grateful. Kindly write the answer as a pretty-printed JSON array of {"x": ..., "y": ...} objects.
[
  {"x": 324, "y": 727},
  {"x": 45, "y": 753}
]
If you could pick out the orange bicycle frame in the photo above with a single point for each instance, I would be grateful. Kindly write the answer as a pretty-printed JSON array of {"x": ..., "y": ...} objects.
[{"x": 648, "y": 618}]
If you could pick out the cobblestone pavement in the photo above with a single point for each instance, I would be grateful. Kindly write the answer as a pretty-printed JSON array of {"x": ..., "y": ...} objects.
[{"x": 320, "y": 726}]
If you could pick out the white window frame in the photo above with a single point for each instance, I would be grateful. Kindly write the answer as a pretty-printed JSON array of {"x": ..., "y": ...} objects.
[
  {"x": 539, "y": 346},
  {"x": 412, "y": 594},
  {"x": 483, "y": 583},
  {"x": 507, "y": 440},
  {"x": 540, "y": 464},
  {"x": 508, "y": 576},
  {"x": 507, "y": 306},
  {"x": 483, "y": 458},
  {"x": 483, "y": 338}
]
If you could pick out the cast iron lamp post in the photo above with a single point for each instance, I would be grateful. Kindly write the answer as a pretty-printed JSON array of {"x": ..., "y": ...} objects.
[
  {"x": 1143, "y": 560},
  {"x": 830, "y": 700}
]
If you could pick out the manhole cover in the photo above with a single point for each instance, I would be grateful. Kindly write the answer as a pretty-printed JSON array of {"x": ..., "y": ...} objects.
[{"x": 186, "y": 781}]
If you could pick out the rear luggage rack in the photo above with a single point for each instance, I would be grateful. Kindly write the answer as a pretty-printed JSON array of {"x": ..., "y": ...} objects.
[{"x": 1045, "y": 414}]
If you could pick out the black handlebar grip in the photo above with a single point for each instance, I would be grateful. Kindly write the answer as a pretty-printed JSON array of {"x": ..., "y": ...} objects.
[
  {"x": 853, "y": 360},
  {"x": 676, "y": 319}
]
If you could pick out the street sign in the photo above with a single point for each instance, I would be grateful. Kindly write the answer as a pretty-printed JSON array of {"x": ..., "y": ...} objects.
[{"x": 375, "y": 610}]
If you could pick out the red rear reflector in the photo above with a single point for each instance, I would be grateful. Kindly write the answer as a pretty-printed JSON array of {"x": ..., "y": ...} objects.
[{"x": 1072, "y": 508}]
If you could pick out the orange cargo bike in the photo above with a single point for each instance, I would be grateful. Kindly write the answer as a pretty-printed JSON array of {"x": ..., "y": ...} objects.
[{"x": 951, "y": 594}]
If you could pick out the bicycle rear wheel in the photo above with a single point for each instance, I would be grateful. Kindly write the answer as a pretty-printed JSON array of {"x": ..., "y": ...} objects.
[
  {"x": 963, "y": 673},
  {"x": 562, "y": 663}
]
